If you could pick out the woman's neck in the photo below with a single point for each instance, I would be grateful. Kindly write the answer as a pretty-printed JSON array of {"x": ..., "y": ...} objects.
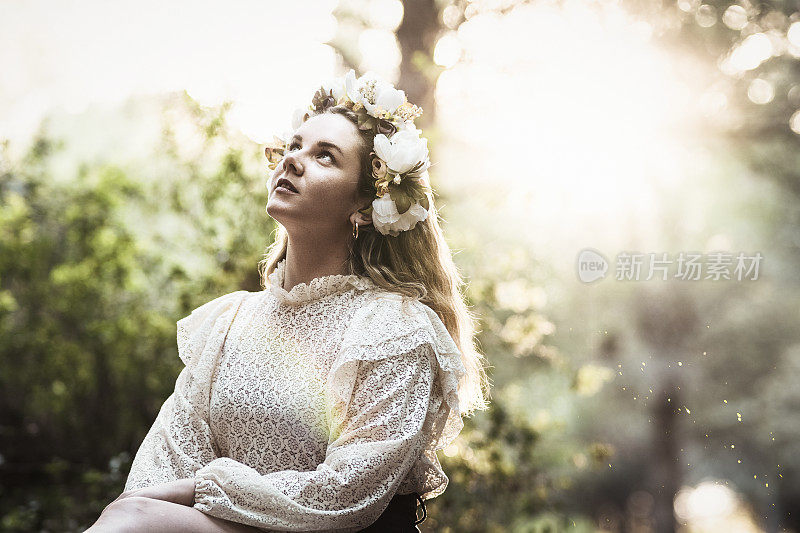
[{"x": 314, "y": 258}]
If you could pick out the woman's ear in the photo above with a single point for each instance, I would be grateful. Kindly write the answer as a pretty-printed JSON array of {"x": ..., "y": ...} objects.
[{"x": 361, "y": 218}]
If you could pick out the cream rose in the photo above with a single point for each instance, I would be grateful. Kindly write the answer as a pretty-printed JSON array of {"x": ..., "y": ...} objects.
[
  {"x": 353, "y": 87},
  {"x": 336, "y": 87},
  {"x": 403, "y": 152},
  {"x": 297, "y": 119},
  {"x": 387, "y": 220},
  {"x": 387, "y": 98}
]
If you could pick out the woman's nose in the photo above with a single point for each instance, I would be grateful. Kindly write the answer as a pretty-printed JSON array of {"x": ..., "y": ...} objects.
[{"x": 291, "y": 163}]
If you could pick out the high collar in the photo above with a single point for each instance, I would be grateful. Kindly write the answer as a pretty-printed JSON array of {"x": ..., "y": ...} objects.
[{"x": 317, "y": 288}]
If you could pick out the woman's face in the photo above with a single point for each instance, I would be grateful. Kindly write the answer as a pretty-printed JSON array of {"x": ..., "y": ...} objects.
[{"x": 322, "y": 162}]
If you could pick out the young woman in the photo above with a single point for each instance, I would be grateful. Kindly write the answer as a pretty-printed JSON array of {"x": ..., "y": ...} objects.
[{"x": 319, "y": 403}]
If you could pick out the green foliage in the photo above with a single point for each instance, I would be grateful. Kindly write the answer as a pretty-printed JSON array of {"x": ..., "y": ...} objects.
[
  {"x": 76, "y": 324},
  {"x": 88, "y": 304}
]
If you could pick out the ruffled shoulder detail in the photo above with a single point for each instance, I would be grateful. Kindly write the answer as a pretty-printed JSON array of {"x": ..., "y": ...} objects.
[
  {"x": 392, "y": 325},
  {"x": 315, "y": 289},
  {"x": 201, "y": 335}
]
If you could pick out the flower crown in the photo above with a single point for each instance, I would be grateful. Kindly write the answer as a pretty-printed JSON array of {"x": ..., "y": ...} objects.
[{"x": 400, "y": 154}]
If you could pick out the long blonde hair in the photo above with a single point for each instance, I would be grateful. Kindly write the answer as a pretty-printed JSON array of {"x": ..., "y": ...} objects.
[{"x": 417, "y": 264}]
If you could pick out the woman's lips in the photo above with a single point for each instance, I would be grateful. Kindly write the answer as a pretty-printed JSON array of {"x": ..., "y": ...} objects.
[
  {"x": 281, "y": 188},
  {"x": 285, "y": 184}
]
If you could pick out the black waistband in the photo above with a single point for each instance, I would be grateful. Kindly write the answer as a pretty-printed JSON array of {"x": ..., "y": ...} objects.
[{"x": 400, "y": 516}]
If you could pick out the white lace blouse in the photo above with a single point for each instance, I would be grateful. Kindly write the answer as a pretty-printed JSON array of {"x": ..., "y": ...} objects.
[{"x": 307, "y": 410}]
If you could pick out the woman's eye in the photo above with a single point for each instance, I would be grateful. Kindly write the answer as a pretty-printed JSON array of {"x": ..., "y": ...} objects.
[
  {"x": 293, "y": 146},
  {"x": 327, "y": 155}
]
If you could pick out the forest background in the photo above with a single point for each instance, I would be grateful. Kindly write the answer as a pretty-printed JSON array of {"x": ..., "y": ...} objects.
[{"x": 132, "y": 190}]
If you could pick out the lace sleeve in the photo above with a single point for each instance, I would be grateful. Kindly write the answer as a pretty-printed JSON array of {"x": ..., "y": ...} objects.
[
  {"x": 391, "y": 324},
  {"x": 179, "y": 441},
  {"x": 379, "y": 437}
]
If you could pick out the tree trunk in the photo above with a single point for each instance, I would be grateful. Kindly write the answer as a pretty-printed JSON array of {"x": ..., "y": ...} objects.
[
  {"x": 417, "y": 37},
  {"x": 666, "y": 466}
]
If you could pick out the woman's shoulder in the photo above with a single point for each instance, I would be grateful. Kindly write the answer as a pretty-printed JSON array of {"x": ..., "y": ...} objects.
[
  {"x": 382, "y": 305},
  {"x": 207, "y": 325},
  {"x": 218, "y": 304},
  {"x": 203, "y": 318},
  {"x": 397, "y": 321}
]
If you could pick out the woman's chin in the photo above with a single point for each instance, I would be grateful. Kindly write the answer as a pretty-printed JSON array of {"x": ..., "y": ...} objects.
[
  {"x": 281, "y": 210},
  {"x": 275, "y": 209}
]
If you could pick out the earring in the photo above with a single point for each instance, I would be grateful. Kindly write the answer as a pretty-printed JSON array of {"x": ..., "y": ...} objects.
[{"x": 355, "y": 230}]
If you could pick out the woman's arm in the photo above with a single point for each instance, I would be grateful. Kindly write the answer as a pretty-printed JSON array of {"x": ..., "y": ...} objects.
[
  {"x": 180, "y": 492},
  {"x": 137, "y": 513}
]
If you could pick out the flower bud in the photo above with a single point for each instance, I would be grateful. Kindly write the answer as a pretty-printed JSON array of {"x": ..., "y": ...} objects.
[
  {"x": 386, "y": 127},
  {"x": 379, "y": 168}
]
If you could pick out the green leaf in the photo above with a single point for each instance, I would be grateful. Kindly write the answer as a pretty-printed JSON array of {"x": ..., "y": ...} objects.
[
  {"x": 402, "y": 200},
  {"x": 425, "y": 202}
]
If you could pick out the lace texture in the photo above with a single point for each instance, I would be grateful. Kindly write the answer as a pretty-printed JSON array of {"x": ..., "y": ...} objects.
[
  {"x": 308, "y": 409},
  {"x": 303, "y": 293},
  {"x": 180, "y": 441}
]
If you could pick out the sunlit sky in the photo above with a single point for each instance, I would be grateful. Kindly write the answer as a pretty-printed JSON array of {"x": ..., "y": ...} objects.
[
  {"x": 580, "y": 131},
  {"x": 569, "y": 116},
  {"x": 265, "y": 56}
]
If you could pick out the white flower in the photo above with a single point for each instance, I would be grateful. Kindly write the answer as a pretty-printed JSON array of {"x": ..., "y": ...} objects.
[
  {"x": 285, "y": 136},
  {"x": 387, "y": 220},
  {"x": 373, "y": 92},
  {"x": 367, "y": 84},
  {"x": 336, "y": 87},
  {"x": 352, "y": 86},
  {"x": 297, "y": 118},
  {"x": 408, "y": 126},
  {"x": 387, "y": 98},
  {"x": 403, "y": 151}
]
